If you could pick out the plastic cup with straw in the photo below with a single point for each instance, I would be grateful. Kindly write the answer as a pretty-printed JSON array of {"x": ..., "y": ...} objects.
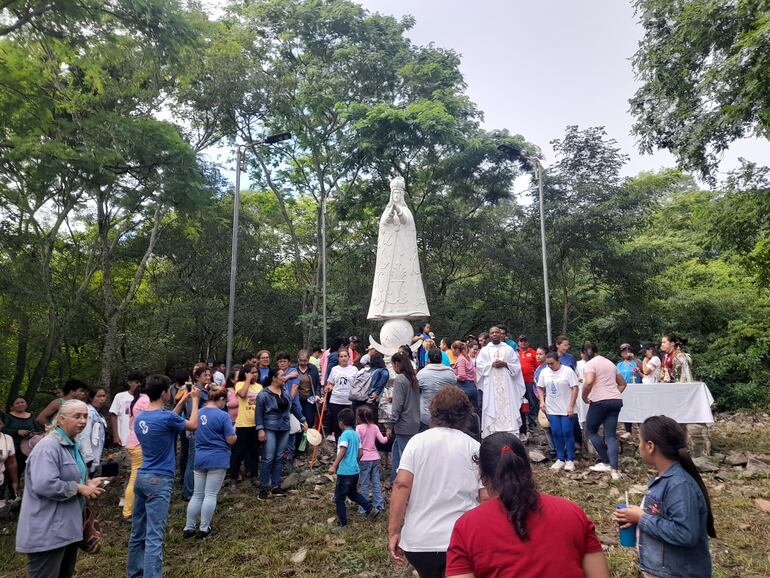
[{"x": 627, "y": 535}]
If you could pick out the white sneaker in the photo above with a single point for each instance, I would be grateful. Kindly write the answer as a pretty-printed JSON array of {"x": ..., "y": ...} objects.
[
  {"x": 122, "y": 502},
  {"x": 330, "y": 438},
  {"x": 625, "y": 436},
  {"x": 569, "y": 466},
  {"x": 600, "y": 468},
  {"x": 615, "y": 474},
  {"x": 557, "y": 465},
  {"x": 524, "y": 438}
]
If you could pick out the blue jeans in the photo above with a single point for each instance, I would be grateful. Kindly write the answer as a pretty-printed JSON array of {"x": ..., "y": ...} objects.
[
  {"x": 604, "y": 413},
  {"x": 563, "y": 437},
  {"x": 469, "y": 389},
  {"x": 188, "y": 482},
  {"x": 152, "y": 494},
  {"x": 272, "y": 458},
  {"x": 370, "y": 472},
  {"x": 204, "y": 499},
  {"x": 534, "y": 404},
  {"x": 290, "y": 445},
  {"x": 309, "y": 411},
  {"x": 347, "y": 487},
  {"x": 395, "y": 453}
]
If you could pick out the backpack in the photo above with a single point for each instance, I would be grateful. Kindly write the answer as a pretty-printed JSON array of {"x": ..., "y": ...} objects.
[{"x": 359, "y": 389}]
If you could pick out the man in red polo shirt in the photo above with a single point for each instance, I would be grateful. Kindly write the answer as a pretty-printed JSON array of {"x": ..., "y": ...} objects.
[{"x": 529, "y": 364}]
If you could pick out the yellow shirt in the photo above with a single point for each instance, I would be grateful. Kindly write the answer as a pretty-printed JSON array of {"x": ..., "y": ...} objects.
[{"x": 247, "y": 405}]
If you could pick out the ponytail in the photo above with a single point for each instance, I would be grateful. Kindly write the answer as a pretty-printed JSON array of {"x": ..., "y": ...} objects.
[
  {"x": 406, "y": 366},
  {"x": 504, "y": 466},
  {"x": 670, "y": 438},
  {"x": 689, "y": 466}
]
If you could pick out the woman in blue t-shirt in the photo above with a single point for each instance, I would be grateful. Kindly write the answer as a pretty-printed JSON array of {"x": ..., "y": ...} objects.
[{"x": 213, "y": 439}]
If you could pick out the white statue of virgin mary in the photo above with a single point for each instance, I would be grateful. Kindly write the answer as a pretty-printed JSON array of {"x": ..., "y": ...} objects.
[{"x": 397, "y": 292}]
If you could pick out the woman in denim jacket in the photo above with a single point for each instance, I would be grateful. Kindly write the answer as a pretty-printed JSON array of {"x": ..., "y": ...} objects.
[
  {"x": 675, "y": 517},
  {"x": 272, "y": 419}
]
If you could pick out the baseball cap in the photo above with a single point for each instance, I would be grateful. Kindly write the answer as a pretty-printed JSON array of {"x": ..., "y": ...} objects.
[
  {"x": 523, "y": 338},
  {"x": 354, "y": 339},
  {"x": 624, "y": 346}
]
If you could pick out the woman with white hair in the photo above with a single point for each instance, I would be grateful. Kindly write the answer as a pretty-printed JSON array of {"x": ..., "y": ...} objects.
[{"x": 57, "y": 485}]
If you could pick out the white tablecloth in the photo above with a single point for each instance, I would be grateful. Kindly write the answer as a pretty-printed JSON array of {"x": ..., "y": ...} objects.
[{"x": 683, "y": 402}]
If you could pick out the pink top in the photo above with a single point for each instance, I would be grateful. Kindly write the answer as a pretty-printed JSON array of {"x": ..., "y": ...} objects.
[
  {"x": 232, "y": 403},
  {"x": 368, "y": 434},
  {"x": 140, "y": 405},
  {"x": 465, "y": 369},
  {"x": 605, "y": 386}
]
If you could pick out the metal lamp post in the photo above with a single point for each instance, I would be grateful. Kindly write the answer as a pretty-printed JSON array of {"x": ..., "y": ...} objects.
[
  {"x": 240, "y": 160},
  {"x": 533, "y": 164}
]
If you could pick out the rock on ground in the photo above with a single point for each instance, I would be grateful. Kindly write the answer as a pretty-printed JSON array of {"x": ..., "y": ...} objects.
[
  {"x": 758, "y": 464},
  {"x": 705, "y": 464},
  {"x": 736, "y": 459},
  {"x": 536, "y": 456}
]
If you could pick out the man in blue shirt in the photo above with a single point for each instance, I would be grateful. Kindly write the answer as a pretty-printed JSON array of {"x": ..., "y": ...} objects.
[
  {"x": 156, "y": 431},
  {"x": 508, "y": 339},
  {"x": 283, "y": 360},
  {"x": 346, "y": 465},
  {"x": 423, "y": 334}
]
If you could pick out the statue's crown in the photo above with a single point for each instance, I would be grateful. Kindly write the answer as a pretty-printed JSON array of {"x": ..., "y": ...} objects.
[{"x": 398, "y": 183}]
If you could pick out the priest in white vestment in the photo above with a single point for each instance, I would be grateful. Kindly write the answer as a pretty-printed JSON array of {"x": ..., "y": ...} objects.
[{"x": 499, "y": 377}]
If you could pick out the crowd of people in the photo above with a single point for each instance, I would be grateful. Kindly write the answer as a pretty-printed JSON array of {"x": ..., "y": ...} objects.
[{"x": 454, "y": 421}]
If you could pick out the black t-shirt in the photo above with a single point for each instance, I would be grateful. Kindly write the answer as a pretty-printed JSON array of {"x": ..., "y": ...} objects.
[{"x": 283, "y": 403}]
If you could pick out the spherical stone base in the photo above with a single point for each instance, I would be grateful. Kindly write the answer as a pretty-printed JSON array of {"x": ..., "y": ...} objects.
[{"x": 395, "y": 333}]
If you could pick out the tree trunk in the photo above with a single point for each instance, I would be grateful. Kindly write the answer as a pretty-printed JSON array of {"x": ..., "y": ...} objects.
[
  {"x": 565, "y": 313},
  {"x": 21, "y": 360},
  {"x": 51, "y": 343},
  {"x": 108, "y": 352},
  {"x": 114, "y": 313}
]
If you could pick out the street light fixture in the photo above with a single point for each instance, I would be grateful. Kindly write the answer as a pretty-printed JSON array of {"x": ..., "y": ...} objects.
[
  {"x": 533, "y": 164},
  {"x": 240, "y": 162}
]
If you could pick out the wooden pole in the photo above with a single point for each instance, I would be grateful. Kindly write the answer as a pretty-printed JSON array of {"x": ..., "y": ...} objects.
[{"x": 320, "y": 428}]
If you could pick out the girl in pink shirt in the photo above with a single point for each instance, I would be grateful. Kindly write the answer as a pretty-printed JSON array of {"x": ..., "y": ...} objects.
[
  {"x": 369, "y": 432},
  {"x": 465, "y": 371}
]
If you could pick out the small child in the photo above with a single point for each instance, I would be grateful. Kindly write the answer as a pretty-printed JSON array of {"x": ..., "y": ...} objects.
[
  {"x": 675, "y": 518},
  {"x": 369, "y": 432},
  {"x": 346, "y": 465}
]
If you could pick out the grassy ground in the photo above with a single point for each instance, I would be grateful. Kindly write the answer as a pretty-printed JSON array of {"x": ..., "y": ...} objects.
[{"x": 257, "y": 539}]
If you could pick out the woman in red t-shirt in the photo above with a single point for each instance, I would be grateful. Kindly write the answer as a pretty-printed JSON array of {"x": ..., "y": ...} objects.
[{"x": 521, "y": 532}]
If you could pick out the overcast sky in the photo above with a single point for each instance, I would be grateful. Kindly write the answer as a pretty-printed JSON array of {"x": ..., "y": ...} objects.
[{"x": 535, "y": 67}]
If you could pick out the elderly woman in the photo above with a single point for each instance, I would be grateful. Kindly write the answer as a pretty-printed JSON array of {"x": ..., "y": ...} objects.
[
  {"x": 51, "y": 519},
  {"x": 437, "y": 482}
]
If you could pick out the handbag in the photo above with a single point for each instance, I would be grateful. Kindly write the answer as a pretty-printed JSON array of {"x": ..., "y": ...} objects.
[
  {"x": 92, "y": 531},
  {"x": 542, "y": 419},
  {"x": 385, "y": 409},
  {"x": 294, "y": 425}
]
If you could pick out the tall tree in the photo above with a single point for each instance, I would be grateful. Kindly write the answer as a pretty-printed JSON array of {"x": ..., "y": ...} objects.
[
  {"x": 79, "y": 140},
  {"x": 703, "y": 66}
]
